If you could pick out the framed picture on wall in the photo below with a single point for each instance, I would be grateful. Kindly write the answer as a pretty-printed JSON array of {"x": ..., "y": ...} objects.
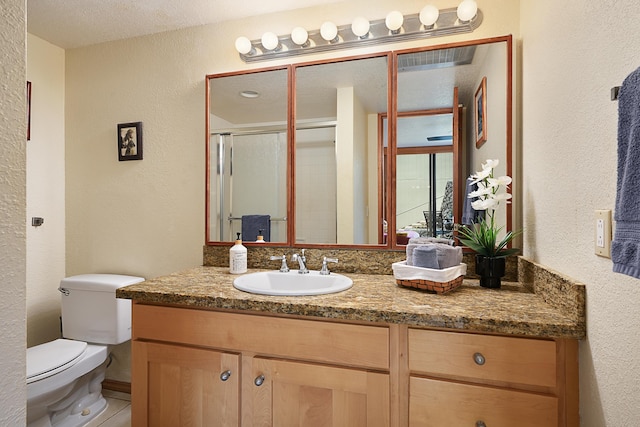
[
  {"x": 130, "y": 141},
  {"x": 480, "y": 113},
  {"x": 28, "y": 111}
]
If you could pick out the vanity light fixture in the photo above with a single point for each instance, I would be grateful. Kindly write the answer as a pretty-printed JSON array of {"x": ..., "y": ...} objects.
[
  {"x": 360, "y": 27},
  {"x": 396, "y": 27},
  {"x": 467, "y": 10},
  {"x": 394, "y": 21},
  {"x": 429, "y": 15},
  {"x": 300, "y": 36},
  {"x": 329, "y": 32},
  {"x": 270, "y": 41}
]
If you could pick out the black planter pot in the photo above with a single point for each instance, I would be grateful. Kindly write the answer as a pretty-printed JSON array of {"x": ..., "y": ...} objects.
[{"x": 490, "y": 270}]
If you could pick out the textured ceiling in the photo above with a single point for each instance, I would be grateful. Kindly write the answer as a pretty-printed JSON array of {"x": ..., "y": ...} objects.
[{"x": 76, "y": 23}]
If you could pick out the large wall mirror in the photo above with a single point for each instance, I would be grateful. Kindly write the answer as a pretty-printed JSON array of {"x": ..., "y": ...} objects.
[{"x": 360, "y": 151}]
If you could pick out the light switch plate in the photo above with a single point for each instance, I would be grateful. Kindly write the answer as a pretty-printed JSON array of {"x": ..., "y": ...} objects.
[{"x": 603, "y": 233}]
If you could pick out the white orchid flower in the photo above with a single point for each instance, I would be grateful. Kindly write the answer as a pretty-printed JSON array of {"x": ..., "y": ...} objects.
[
  {"x": 480, "y": 176},
  {"x": 490, "y": 164},
  {"x": 502, "y": 197},
  {"x": 484, "y": 204},
  {"x": 503, "y": 181},
  {"x": 485, "y": 191}
]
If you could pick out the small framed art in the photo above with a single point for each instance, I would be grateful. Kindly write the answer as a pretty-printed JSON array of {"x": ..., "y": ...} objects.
[
  {"x": 480, "y": 114},
  {"x": 130, "y": 141}
]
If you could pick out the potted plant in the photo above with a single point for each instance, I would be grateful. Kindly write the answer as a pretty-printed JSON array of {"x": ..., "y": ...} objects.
[{"x": 483, "y": 236}]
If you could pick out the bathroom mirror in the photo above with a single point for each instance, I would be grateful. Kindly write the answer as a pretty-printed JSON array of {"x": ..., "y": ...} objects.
[
  {"x": 336, "y": 154},
  {"x": 345, "y": 125},
  {"x": 247, "y": 150}
]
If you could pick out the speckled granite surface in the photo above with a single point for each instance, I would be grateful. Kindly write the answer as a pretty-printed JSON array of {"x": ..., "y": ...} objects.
[{"x": 515, "y": 309}]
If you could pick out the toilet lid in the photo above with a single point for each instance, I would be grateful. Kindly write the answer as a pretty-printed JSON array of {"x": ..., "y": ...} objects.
[{"x": 47, "y": 359}]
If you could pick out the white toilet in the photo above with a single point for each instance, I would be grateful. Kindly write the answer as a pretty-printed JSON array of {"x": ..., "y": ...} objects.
[{"x": 64, "y": 377}]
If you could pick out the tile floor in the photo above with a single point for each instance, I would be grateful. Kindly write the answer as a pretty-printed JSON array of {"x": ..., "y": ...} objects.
[{"x": 118, "y": 412}]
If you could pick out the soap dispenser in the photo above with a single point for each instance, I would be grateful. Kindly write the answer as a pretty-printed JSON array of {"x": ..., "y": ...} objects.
[
  {"x": 238, "y": 258},
  {"x": 260, "y": 237}
]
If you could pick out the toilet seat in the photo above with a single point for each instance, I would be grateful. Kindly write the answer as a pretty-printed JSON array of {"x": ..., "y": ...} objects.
[{"x": 50, "y": 358}]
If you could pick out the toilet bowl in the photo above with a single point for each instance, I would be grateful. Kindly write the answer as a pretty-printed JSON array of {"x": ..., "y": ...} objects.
[
  {"x": 64, "y": 383},
  {"x": 64, "y": 376}
]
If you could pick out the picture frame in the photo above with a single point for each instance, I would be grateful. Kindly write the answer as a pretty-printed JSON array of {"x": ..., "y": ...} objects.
[
  {"x": 130, "y": 141},
  {"x": 480, "y": 114},
  {"x": 28, "y": 110}
]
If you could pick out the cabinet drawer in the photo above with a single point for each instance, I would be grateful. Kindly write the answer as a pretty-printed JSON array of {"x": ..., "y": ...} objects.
[
  {"x": 345, "y": 344},
  {"x": 441, "y": 403},
  {"x": 481, "y": 357}
]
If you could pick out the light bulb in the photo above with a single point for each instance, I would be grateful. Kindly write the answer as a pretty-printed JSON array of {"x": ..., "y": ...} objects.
[
  {"x": 243, "y": 45},
  {"x": 299, "y": 36},
  {"x": 329, "y": 31},
  {"x": 467, "y": 10},
  {"x": 270, "y": 41},
  {"x": 360, "y": 27},
  {"x": 429, "y": 15},
  {"x": 394, "y": 21}
]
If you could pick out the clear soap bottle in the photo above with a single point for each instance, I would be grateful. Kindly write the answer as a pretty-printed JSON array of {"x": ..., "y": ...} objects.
[{"x": 238, "y": 258}]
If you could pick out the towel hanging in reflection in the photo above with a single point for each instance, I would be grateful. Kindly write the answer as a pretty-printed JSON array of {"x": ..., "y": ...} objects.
[
  {"x": 252, "y": 224},
  {"x": 625, "y": 248}
]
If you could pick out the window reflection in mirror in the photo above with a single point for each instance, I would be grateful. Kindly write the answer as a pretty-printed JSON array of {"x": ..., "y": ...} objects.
[
  {"x": 337, "y": 140},
  {"x": 247, "y": 151}
]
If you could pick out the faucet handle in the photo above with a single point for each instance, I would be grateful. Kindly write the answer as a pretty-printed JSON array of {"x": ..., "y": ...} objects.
[
  {"x": 284, "y": 268},
  {"x": 325, "y": 269}
]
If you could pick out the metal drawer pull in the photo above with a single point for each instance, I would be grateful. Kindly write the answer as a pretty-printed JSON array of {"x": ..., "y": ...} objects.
[
  {"x": 479, "y": 359},
  {"x": 480, "y": 424},
  {"x": 225, "y": 375},
  {"x": 259, "y": 380}
]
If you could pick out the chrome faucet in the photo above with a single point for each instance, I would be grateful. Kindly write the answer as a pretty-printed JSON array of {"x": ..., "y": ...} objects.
[
  {"x": 284, "y": 268},
  {"x": 302, "y": 262},
  {"x": 324, "y": 271}
]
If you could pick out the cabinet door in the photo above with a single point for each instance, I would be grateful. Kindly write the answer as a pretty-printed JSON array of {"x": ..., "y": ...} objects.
[
  {"x": 434, "y": 403},
  {"x": 174, "y": 386},
  {"x": 304, "y": 395}
]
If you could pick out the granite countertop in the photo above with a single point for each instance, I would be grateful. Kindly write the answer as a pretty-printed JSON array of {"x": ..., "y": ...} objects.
[{"x": 515, "y": 309}]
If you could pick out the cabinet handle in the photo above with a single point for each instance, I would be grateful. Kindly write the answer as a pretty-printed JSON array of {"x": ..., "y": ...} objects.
[
  {"x": 479, "y": 359},
  {"x": 225, "y": 375},
  {"x": 259, "y": 380},
  {"x": 480, "y": 423}
]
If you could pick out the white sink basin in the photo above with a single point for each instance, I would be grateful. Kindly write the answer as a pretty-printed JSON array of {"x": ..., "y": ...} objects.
[{"x": 292, "y": 283}]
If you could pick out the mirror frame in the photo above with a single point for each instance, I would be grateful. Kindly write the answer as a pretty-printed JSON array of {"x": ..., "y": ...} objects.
[{"x": 386, "y": 199}]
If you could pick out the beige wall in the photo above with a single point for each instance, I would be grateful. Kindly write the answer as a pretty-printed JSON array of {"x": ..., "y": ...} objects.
[
  {"x": 13, "y": 141},
  {"x": 45, "y": 191},
  {"x": 146, "y": 218},
  {"x": 569, "y": 167}
]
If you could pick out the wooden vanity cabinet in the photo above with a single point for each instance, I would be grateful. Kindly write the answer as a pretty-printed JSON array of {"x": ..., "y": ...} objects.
[
  {"x": 279, "y": 371},
  {"x": 467, "y": 379},
  {"x": 195, "y": 367}
]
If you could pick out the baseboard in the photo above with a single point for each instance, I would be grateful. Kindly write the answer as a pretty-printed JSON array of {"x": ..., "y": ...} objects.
[{"x": 113, "y": 385}]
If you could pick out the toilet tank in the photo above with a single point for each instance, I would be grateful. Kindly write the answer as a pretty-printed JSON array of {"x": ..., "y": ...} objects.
[{"x": 90, "y": 310}]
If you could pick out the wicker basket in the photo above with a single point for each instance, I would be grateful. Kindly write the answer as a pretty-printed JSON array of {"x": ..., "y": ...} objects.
[
  {"x": 428, "y": 285},
  {"x": 427, "y": 279}
]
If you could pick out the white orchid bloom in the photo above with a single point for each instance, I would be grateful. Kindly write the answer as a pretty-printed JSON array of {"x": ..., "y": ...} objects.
[
  {"x": 502, "y": 197},
  {"x": 480, "y": 192},
  {"x": 490, "y": 164},
  {"x": 503, "y": 181},
  {"x": 484, "y": 204},
  {"x": 481, "y": 175}
]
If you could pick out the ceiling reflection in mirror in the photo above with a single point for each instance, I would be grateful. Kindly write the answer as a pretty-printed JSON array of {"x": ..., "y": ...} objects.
[{"x": 348, "y": 181}]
